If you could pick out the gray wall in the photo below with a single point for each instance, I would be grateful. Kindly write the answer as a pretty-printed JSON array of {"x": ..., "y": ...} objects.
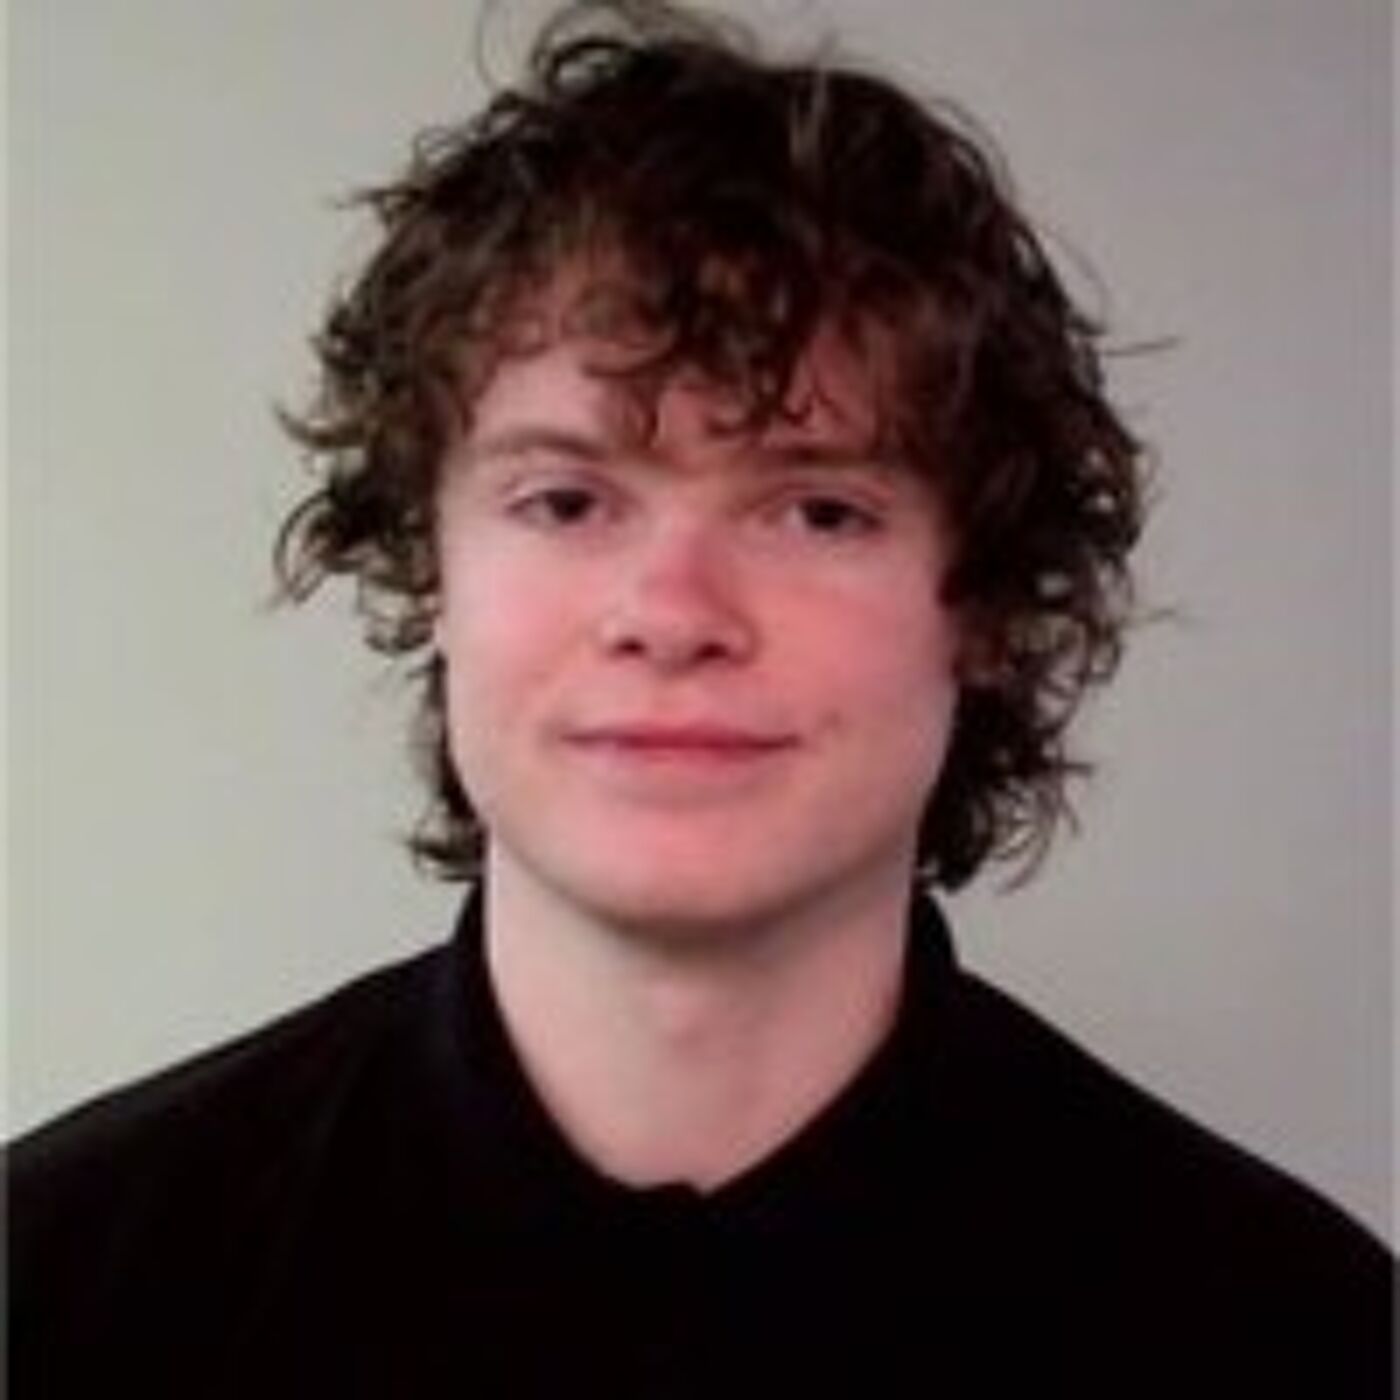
[{"x": 204, "y": 797}]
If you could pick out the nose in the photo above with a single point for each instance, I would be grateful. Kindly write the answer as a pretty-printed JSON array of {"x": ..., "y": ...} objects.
[{"x": 678, "y": 603}]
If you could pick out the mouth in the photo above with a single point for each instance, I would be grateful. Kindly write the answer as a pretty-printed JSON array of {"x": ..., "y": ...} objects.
[
  {"x": 695, "y": 742},
  {"x": 680, "y": 766}
]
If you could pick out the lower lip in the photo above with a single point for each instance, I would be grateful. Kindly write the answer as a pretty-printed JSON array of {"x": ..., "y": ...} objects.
[
  {"x": 719, "y": 750},
  {"x": 688, "y": 761}
]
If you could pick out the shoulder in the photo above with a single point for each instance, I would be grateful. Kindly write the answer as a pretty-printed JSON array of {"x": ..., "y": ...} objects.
[
  {"x": 1164, "y": 1227},
  {"x": 150, "y": 1226},
  {"x": 1111, "y": 1146},
  {"x": 232, "y": 1121}
]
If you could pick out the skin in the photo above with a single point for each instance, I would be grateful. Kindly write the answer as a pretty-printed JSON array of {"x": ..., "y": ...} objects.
[{"x": 699, "y": 688}]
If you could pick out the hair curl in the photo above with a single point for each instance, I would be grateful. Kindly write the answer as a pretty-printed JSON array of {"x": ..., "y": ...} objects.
[{"x": 746, "y": 202}]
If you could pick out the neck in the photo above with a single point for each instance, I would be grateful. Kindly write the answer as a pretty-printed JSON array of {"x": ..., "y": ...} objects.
[{"x": 690, "y": 1057}]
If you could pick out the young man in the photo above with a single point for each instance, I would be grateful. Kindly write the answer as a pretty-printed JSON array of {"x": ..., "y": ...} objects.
[{"x": 723, "y": 440}]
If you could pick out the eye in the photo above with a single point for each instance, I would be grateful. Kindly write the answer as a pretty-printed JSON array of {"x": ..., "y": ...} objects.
[
  {"x": 558, "y": 507},
  {"x": 820, "y": 514}
]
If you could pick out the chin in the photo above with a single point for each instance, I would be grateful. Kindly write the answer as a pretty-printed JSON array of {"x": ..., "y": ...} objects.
[
  {"x": 661, "y": 895},
  {"x": 663, "y": 903}
]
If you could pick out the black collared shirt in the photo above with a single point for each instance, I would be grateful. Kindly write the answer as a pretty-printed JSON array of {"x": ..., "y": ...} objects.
[{"x": 367, "y": 1199}]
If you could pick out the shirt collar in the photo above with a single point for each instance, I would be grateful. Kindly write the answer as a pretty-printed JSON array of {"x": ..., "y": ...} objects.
[{"x": 511, "y": 1164}]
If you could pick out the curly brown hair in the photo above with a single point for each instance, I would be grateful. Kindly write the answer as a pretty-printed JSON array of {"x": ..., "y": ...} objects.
[{"x": 819, "y": 193}]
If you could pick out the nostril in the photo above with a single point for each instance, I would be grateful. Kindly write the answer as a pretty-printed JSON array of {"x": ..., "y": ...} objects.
[
  {"x": 672, "y": 638},
  {"x": 680, "y": 602}
]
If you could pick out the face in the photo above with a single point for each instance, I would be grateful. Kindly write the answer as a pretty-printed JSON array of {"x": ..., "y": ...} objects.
[{"x": 695, "y": 681}]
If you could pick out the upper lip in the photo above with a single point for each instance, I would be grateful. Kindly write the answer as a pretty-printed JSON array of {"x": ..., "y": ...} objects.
[{"x": 697, "y": 735}]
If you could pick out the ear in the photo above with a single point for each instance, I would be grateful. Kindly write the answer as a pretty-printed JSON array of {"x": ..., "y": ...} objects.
[{"x": 978, "y": 661}]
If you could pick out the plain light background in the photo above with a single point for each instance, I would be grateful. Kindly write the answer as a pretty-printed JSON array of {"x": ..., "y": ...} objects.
[{"x": 205, "y": 797}]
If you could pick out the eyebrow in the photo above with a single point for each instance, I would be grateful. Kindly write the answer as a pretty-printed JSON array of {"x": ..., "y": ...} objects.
[
  {"x": 521, "y": 440},
  {"x": 518, "y": 441},
  {"x": 835, "y": 456}
]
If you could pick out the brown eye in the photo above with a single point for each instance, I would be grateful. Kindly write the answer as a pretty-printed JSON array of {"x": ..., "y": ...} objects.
[
  {"x": 556, "y": 507},
  {"x": 833, "y": 515}
]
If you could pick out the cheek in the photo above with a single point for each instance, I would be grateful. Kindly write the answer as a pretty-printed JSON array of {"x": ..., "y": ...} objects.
[
  {"x": 501, "y": 632},
  {"x": 486, "y": 664},
  {"x": 891, "y": 681},
  {"x": 890, "y": 639},
  {"x": 493, "y": 658}
]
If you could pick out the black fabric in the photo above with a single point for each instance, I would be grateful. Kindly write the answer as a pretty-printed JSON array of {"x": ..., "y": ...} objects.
[{"x": 366, "y": 1199}]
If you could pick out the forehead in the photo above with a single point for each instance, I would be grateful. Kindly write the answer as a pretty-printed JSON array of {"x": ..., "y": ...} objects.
[{"x": 584, "y": 350}]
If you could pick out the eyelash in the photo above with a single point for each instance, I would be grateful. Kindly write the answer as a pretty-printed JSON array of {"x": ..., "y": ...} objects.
[
  {"x": 541, "y": 507},
  {"x": 856, "y": 520},
  {"x": 570, "y": 507}
]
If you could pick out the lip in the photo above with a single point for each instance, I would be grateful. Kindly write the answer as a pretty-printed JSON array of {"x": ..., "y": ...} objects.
[{"x": 691, "y": 740}]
